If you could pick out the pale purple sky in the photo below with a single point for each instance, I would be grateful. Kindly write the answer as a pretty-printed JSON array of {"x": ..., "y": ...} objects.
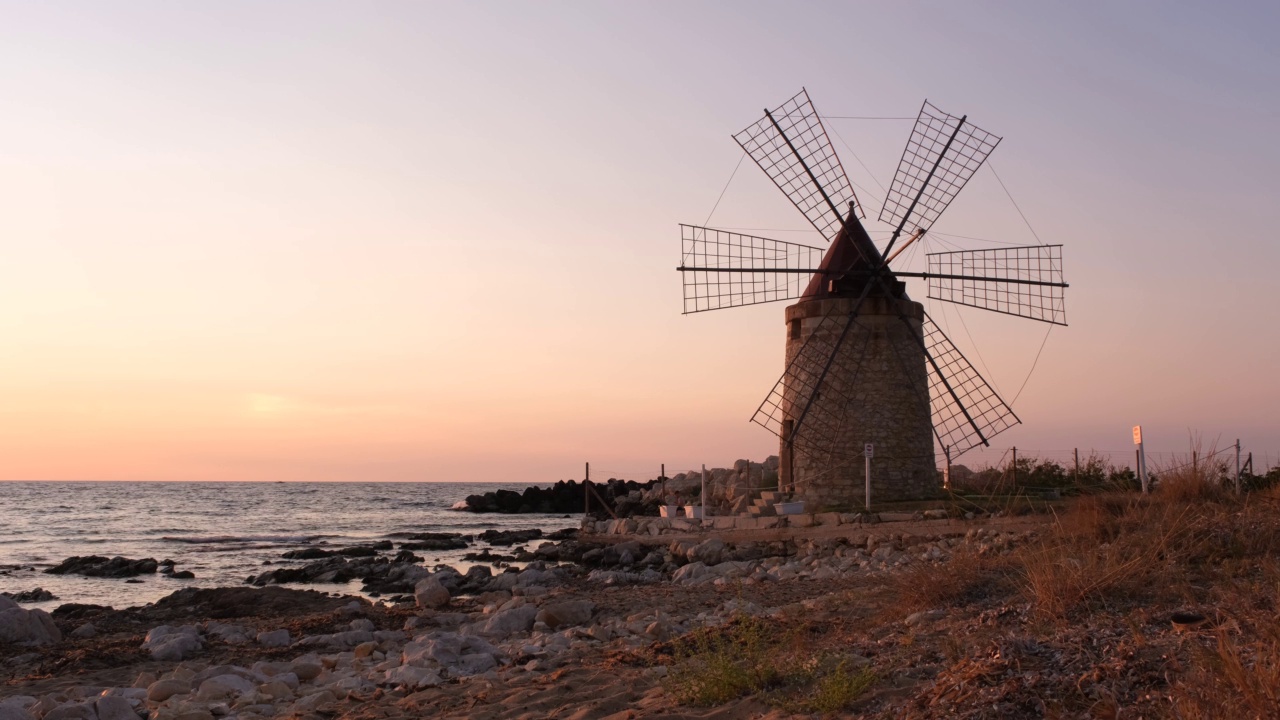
[{"x": 436, "y": 241}]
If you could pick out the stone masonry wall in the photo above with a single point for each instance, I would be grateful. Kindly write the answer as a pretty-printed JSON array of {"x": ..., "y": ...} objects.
[{"x": 876, "y": 392}]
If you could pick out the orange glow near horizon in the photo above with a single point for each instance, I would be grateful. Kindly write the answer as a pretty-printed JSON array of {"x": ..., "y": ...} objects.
[{"x": 312, "y": 242}]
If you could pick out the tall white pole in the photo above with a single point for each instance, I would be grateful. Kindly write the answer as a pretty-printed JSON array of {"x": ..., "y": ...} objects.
[
  {"x": 1142, "y": 463},
  {"x": 868, "y": 482},
  {"x": 867, "y": 475}
]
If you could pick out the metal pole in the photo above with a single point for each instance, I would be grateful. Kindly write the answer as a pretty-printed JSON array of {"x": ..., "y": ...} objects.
[
  {"x": 869, "y": 273},
  {"x": 946, "y": 451},
  {"x": 1076, "y": 452},
  {"x": 1015, "y": 468},
  {"x": 586, "y": 490},
  {"x": 704, "y": 492},
  {"x": 1237, "y": 466},
  {"x": 868, "y": 481},
  {"x": 663, "y": 474},
  {"x": 1142, "y": 464}
]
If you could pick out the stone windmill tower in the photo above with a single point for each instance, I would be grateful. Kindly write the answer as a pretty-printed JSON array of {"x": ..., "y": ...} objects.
[{"x": 865, "y": 364}]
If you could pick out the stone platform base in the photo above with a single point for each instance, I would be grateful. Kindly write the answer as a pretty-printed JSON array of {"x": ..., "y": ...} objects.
[{"x": 654, "y": 526}]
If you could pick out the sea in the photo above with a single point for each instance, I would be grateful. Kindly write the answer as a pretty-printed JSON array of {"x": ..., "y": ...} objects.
[{"x": 223, "y": 532}]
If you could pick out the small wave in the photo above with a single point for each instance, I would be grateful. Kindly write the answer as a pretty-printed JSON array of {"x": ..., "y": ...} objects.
[
  {"x": 236, "y": 547},
  {"x": 227, "y": 539}
]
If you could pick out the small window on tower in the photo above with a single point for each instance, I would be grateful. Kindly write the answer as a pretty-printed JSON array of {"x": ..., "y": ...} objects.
[{"x": 795, "y": 330}]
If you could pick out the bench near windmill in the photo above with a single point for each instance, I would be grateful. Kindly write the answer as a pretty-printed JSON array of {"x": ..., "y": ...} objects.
[{"x": 865, "y": 364}]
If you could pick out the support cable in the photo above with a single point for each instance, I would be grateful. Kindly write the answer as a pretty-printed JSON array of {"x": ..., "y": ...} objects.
[{"x": 1015, "y": 203}]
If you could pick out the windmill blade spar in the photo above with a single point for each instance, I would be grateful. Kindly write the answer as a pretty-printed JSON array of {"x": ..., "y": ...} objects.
[
  {"x": 816, "y": 388},
  {"x": 722, "y": 269},
  {"x": 791, "y": 145},
  {"x": 1022, "y": 281},
  {"x": 941, "y": 155}
]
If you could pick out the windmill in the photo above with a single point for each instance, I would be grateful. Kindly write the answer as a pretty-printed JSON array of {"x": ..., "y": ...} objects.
[{"x": 865, "y": 364}]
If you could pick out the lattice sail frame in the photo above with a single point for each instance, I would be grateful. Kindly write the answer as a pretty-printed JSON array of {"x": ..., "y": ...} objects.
[
  {"x": 822, "y": 198},
  {"x": 980, "y": 279},
  {"x": 722, "y": 269},
  {"x": 931, "y": 145},
  {"x": 949, "y": 367},
  {"x": 819, "y": 428},
  {"x": 828, "y": 397}
]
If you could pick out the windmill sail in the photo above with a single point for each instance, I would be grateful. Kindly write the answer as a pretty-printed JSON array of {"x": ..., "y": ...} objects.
[
  {"x": 967, "y": 412},
  {"x": 722, "y": 269},
  {"x": 1022, "y": 281},
  {"x": 941, "y": 155},
  {"x": 791, "y": 146}
]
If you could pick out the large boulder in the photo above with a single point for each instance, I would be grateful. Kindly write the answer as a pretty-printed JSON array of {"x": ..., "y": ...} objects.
[
  {"x": 73, "y": 711},
  {"x": 412, "y": 678},
  {"x": 14, "y": 711},
  {"x": 274, "y": 638},
  {"x": 31, "y": 596},
  {"x": 162, "y": 690},
  {"x": 688, "y": 573},
  {"x": 708, "y": 551},
  {"x": 171, "y": 643},
  {"x": 460, "y": 655},
  {"x": 114, "y": 707},
  {"x": 223, "y": 687},
  {"x": 509, "y": 621},
  {"x": 506, "y": 538},
  {"x": 534, "y": 576},
  {"x": 99, "y": 566},
  {"x": 429, "y": 593},
  {"x": 19, "y": 626},
  {"x": 566, "y": 613}
]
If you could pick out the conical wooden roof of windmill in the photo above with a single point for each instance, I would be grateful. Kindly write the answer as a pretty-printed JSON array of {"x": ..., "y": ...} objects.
[{"x": 850, "y": 263}]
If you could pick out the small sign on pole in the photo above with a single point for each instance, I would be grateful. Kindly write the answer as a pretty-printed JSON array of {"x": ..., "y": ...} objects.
[
  {"x": 1142, "y": 457},
  {"x": 869, "y": 450}
]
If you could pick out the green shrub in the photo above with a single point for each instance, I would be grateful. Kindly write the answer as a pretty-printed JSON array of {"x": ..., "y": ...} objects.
[
  {"x": 836, "y": 690},
  {"x": 721, "y": 664}
]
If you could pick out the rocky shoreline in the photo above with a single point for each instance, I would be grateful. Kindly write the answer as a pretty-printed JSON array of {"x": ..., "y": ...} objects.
[
  {"x": 315, "y": 653},
  {"x": 908, "y": 617},
  {"x": 728, "y": 492}
]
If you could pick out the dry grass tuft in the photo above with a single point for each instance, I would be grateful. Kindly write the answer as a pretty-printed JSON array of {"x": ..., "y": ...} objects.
[
  {"x": 966, "y": 578},
  {"x": 1119, "y": 548},
  {"x": 1233, "y": 679}
]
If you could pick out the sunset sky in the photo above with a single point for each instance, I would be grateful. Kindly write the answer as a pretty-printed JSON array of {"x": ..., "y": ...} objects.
[{"x": 437, "y": 241}]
